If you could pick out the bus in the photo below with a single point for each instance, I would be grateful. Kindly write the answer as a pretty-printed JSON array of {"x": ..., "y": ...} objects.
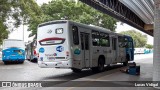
[
  {"x": 129, "y": 46},
  {"x": 68, "y": 44},
  {"x": 31, "y": 52},
  {"x": 13, "y": 50},
  {"x": 142, "y": 50}
]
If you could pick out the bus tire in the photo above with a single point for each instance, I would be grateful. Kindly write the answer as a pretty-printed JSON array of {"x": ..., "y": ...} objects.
[
  {"x": 101, "y": 65},
  {"x": 95, "y": 69},
  {"x": 21, "y": 62},
  {"x": 126, "y": 62},
  {"x": 75, "y": 70},
  {"x": 5, "y": 62}
]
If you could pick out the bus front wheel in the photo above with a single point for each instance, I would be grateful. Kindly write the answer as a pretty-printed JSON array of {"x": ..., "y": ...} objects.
[
  {"x": 126, "y": 62},
  {"x": 21, "y": 62},
  {"x": 101, "y": 65},
  {"x": 5, "y": 62},
  {"x": 76, "y": 70}
]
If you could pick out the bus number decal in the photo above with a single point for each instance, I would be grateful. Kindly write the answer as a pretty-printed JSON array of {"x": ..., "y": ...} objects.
[{"x": 59, "y": 48}]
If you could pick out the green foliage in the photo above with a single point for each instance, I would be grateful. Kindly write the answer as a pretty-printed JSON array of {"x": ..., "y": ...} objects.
[
  {"x": 18, "y": 11},
  {"x": 70, "y": 10},
  {"x": 138, "y": 38},
  {"x": 149, "y": 46},
  {"x": 3, "y": 32},
  {"x": 28, "y": 12}
]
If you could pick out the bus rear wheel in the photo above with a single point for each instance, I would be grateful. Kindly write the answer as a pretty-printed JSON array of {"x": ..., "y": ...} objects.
[
  {"x": 76, "y": 70},
  {"x": 100, "y": 67}
]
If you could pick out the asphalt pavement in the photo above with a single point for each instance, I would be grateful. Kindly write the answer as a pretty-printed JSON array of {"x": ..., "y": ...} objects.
[{"x": 29, "y": 71}]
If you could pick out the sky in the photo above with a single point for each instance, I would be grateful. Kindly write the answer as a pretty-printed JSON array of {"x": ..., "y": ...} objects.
[{"x": 18, "y": 33}]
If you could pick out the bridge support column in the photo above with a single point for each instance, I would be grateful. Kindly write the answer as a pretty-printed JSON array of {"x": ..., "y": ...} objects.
[{"x": 156, "y": 54}]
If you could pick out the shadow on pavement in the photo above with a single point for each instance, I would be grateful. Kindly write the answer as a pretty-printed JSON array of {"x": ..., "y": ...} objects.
[{"x": 86, "y": 72}]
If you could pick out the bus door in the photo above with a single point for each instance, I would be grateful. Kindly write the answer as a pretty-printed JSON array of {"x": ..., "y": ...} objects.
[
  {"x": 114, "y": 49},
  {"x": 85, "y": 48}
]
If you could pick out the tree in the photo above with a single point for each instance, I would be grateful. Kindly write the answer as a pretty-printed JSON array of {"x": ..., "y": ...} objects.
[
  {"x": 71, "y": 10},
  {"x": 138, "y": 38},
  {"x": 17, "y": 11},
  {"x": 149, "y": 46}
]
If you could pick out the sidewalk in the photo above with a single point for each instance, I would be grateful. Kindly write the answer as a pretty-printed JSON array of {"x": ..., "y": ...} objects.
[{"x": 146, "y": 63}]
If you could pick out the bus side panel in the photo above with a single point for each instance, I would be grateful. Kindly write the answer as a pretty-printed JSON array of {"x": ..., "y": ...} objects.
[{"x": 81, "y": 56}]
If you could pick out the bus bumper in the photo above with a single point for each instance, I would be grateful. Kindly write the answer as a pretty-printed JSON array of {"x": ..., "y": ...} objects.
[
  {"x": 13, "y": 59},
  {"x": 58, "y": 64}
]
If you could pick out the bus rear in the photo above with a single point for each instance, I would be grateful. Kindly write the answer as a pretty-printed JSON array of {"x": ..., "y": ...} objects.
[
  {"x": 53, "y": 45},
  {"x": 13, "y": 50}
]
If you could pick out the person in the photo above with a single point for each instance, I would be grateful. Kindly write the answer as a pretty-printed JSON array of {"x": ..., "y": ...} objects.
[
  {"x": 124, "y": 70},
  {"x": 131, "y": 65}
]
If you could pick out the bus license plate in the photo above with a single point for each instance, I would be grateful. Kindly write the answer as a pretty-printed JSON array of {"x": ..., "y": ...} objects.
[{"x": 51, "y": 58}]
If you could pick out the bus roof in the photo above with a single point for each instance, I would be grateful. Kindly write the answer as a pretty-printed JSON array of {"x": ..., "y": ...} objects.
[{"x": 93, "y": 27}]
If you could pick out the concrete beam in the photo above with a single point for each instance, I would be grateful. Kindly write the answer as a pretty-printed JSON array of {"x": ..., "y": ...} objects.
[
  {"x": 119, "y": 11},
  {"x": 156, "y": 53},
  {"x": 148, "y": 27}
]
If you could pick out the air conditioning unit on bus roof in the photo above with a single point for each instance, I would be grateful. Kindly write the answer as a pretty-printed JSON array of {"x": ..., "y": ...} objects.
[{"x": 98, "y": 27}]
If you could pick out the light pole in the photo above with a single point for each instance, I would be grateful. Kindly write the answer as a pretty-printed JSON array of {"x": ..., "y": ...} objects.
[
  {"x": 23, "y": 30},
  {"x": 23, "y": 27}
]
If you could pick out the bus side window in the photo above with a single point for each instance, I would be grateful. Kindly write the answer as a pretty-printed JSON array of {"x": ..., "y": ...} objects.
[
  {"x": 82, "y": 42},
  {"x": 113, "y": 43},
  {"x": 75, "y": 35},
  {"x": 121, "y": 41},
  {"x": 86, "y": 42},
  {"x": 130, "y": 44},
  {"x": 95, "y": 38},
  {"x": 104, "y": 40}
]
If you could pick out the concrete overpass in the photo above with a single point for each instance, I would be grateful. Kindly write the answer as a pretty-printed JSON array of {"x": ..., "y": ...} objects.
[
  {"x": 137, "y": 13},
  {"x": 141, "y": 14}
]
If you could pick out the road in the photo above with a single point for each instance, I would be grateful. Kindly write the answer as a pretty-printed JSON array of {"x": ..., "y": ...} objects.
[{"x": 29, "y": 71}]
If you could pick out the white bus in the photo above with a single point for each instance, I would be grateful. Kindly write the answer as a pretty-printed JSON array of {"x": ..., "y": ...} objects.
[
  {"x": 67, "y": 44},
  {"x": 31, "y": 51}
]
